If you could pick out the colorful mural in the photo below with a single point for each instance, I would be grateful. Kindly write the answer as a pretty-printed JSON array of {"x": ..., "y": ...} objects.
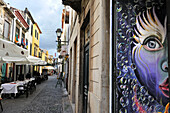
[{"x": 142, "y": 56}]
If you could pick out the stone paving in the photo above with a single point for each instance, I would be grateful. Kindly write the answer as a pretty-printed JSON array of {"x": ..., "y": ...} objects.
[{"x": 46, "y": 99}]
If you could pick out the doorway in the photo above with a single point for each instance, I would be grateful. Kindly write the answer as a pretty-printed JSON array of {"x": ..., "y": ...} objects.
[{"x": 86, "y": 78}]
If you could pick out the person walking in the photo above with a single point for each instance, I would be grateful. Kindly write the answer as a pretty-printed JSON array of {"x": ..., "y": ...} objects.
[{"x": 60, "y": 79}]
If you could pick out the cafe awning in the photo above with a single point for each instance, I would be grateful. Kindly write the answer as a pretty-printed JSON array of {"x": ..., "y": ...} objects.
[
  {"x": 49, "y": 67},
  {"x": 36, "y": 61},
  {"x": 41, "y": 63},
  {"x": 21, "y": 60},
  {"x": 33, "y": 59},
  {"x": 10, "y": 52},
  {"x": 9, "y": 49}
]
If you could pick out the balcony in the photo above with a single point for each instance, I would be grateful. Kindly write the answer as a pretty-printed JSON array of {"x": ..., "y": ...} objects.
[{"x": 75, "y": 4}]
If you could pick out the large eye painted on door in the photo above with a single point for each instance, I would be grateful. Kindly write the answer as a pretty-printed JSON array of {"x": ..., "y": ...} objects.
[{"x": 152, "y": 43}]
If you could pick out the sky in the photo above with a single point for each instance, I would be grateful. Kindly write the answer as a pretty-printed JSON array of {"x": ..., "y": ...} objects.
[{"x": 47, "y": 14}]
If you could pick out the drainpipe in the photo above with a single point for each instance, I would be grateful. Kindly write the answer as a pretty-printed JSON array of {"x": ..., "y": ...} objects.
[{"x": 111, "y": 67}]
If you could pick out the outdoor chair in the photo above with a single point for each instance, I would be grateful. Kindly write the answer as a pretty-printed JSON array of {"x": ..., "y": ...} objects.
[
  {"x": 23, "y": 89},
  {"x": 29, "y": 86},
  {"x": 33, "y": 84},
  {"x": 0, "y": 100},
  {"x": 38, "y": 79}
]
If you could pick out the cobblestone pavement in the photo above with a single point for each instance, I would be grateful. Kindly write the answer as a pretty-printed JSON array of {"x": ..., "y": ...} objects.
[{"x": 46, "y": 99}]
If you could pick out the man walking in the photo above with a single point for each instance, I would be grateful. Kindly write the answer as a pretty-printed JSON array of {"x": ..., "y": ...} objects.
[{"x": 59, "y": 81}]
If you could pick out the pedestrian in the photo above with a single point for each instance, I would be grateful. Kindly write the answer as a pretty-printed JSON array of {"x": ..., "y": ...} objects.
[{"x": 59, "y": 80}]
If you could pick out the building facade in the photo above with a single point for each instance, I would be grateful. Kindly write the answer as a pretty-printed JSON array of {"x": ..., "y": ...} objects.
[
  {"x": 88, "y": 81},
  {"x": 18, "y": 27},
  {"x": 6, "y": 30},
  {"x": 30, "y": 21},
  {"x": 139, "y": 76}
]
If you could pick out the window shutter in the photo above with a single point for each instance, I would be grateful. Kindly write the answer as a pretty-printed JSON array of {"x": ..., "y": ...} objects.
[{"x": 6, "y": 29}]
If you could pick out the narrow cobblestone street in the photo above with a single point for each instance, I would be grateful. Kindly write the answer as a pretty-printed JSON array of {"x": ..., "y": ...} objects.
[{"x": 46, "y": 99}]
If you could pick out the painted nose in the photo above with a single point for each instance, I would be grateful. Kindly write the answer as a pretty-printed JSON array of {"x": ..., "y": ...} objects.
[{"x": 165, "y": 66}]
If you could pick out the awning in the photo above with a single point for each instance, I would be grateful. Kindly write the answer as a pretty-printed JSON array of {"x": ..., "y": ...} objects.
[
  {"x": 9, "y": 49},
  {"x": 36, "y": 61},
  {"x": 33, "y": 59},
  {"x": 22, "y": 60},
  {"x": 49, "y": 67},
  {"x": 41, "y": 63},
  {"x": 10, "y": 52}
]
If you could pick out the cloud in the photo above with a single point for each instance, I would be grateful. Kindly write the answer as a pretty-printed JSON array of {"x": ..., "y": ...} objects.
[{"x": 47, "y": 13}]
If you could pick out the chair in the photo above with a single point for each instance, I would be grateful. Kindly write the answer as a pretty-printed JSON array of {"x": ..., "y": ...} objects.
[
  {"x": 29, "y": 86},
  {"x": 33, "y": 84},
  {"x": 23, "y": 89},
  {"x": 0, "y": 100}
]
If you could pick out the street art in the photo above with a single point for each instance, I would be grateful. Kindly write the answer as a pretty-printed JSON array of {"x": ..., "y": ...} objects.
[{"x": 142, "y": 56}]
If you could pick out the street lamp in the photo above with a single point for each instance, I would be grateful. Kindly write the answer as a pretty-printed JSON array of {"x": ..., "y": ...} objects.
[{"x": 58, "y": 32}]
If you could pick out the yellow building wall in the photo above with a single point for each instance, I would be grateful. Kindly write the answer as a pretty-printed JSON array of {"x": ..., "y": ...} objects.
[
  {"x": 35, "y": 42},
  {"x": 34, "y": 39},
  {"x": 43, "y": 56}
]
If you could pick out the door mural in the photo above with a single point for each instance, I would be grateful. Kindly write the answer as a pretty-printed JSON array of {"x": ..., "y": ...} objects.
[{"x": 142, "y": 56}]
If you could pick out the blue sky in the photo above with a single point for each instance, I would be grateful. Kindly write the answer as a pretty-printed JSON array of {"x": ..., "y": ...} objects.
[{"x": 47, "y": 13}]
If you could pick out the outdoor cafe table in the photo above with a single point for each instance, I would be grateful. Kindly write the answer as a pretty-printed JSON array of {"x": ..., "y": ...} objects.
[{"x": 9, "y": 88}]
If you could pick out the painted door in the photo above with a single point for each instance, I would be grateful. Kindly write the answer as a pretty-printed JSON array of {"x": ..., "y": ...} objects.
[{"x": 142, "y": 56}]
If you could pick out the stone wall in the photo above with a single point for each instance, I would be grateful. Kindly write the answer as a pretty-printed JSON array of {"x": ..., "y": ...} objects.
[{"x": 98, "y": 95}]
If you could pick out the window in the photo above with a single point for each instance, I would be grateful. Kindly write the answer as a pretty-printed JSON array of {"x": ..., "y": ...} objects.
[
  {"x": 30, "y": 49},
  {"x": 6, "y": 30},
  {"x": 46, "y": 59},
  {"x": 35, "y": 33},
  {"x": 23, "y": 40},
  {"x": 27, "y": 43},
  {"x": 40, "y": 54},
  {"x": 35, "y": 51},
  {"x": 67, "y": 17},
  {"x": 28, "y": 21},
  {"x": 31, "y": 30},
  {"x": 87, "y": 34},
  {"x": 17, "y": 35},
  {"x": 23, "y": 35}
]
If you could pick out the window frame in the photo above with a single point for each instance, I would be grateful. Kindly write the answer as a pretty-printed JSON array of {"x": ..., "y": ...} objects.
[
  {"x": 31, "y": 30},
  {"x": 8, "y": 30},
  {"x": 28, "y": 20}
]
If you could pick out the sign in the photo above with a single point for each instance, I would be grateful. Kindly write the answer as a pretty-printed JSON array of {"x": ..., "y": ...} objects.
[{"x": 64, "y": 50}]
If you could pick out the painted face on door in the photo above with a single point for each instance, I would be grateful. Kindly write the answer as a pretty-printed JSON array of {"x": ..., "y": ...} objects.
[{"x": 150, "y": 54}]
